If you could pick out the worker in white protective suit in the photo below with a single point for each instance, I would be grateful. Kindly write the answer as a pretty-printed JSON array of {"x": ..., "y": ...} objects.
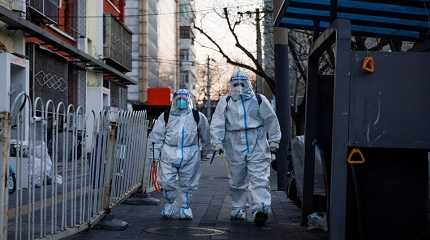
[
  {"x": 178, "y": 132},
  {"x": 246, "y": 128}
]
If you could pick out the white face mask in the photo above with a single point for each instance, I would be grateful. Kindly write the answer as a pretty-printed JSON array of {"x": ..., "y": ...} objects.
[
  {"x": 240, "y": 88},
  {"x": 236, "y": 90}
]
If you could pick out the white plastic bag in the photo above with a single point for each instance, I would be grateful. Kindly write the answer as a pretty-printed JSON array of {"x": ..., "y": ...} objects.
[
  {"x": 317, "y": 221},
  {"x": 42, "y": 165}
]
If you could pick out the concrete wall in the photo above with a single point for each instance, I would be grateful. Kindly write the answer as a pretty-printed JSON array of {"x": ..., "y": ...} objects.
[
  {"x": 94, "y": 36},
  {"x": 13, "y": 41}
]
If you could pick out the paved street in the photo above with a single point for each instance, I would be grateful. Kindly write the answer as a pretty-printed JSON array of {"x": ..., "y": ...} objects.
[{"x": 211, "y": 206}]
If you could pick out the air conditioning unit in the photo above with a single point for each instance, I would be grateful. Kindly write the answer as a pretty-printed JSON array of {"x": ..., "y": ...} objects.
[
  {"x": 19, "y": 6},
  {"x": 14, "y": 5}
]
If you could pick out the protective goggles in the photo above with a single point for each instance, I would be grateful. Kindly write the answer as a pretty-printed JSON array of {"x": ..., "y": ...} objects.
[
  {"x": 181, "y": 95},
  {"x": 237, "y": 84},
  {"x": 239, "y": 78}
]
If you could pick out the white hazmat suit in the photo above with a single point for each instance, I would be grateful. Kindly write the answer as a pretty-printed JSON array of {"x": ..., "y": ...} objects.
[
  {"x": 246, "y": 128},
  {"x": 180, "y": 152}
]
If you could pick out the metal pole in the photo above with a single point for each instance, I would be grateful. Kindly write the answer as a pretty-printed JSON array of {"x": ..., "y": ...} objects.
[
  {"x": 109, "y": 167},
  {"x": 109, "y": 222},
  {"x": 208, "y": 103},
  {"x": 4, "y": 157},
  {"x": 259, "y": 49},
  {"x": 282, "y": 103},
  {"x": 339, "y": 175}
]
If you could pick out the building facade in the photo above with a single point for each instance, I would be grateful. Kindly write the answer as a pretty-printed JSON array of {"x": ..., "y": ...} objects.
[
  {"x": 167, "y": 32},
  {"x": 53, "y": 75},
  {"x": 73, "y": 58},
  {"x": 54, "y": 51},
  {"x": 155, "y": 57},
  {"x": 187, "y": 51},
  {"x": 11, "y": 40},
  {"x": 13, "y": 77},
  {"x": 140, "y": 18}
]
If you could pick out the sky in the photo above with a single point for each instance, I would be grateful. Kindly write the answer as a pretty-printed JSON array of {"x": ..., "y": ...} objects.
[
  {"x": 216, "y": 27},
  {"x": 208, "y": 17}
]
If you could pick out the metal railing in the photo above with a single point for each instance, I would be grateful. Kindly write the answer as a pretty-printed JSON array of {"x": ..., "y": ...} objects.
[
  {"x": 117, "y": 43},
  {"x": 67, "y": 178}
]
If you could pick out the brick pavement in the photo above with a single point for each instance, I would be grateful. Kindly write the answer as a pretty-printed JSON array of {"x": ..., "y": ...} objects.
[{"x": 211, "y": 208}]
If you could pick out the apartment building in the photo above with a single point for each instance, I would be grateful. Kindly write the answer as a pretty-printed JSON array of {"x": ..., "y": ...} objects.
[
  {"x": 155, "y": 54},
  {"x": 140, "y": 18},
  {"x": 187, "y": 51},
  {"x": 72, "y": 47}
]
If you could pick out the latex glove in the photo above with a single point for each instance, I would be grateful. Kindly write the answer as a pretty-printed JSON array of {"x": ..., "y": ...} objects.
[
  {"x": 218, "y": 148},
  {"x": 273, "y": 155},
  {"x": 274, "y": 146},
  {"x": 274, "y": 162}
]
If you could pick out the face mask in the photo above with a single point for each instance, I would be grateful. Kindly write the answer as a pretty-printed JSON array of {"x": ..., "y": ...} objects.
[
  {"x": 237, "y": 88},
  {"x": 181, "y": 104}
]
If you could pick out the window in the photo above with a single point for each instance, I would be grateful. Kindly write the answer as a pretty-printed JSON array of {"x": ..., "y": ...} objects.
[
  {"x": 116, "y": 3},
  {"x": 185, "y": 32},
  {"x": 184, "y": 9},
  {"x": 91, "y": 49},
  {"x": 106, "y": 84},
  {"x": 70, "y": 21},
  {"x": 118, "y": 96},
  {"x": 46, "y": 8},
  {"x": 185, "y": 77},
  {"x": 184, "y": 55}
]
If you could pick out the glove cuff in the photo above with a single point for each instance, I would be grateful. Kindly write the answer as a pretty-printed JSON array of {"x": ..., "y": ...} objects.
[
  {"x": 274, "y": 146},
  {"x": 217, "y": 147}
]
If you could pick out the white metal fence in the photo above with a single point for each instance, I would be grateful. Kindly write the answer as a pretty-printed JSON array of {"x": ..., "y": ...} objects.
[{"x": 57, "y": 187}]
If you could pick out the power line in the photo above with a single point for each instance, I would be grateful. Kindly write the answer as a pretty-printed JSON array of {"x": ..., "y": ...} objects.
[
  {"x": 171, "y": 62},
  {"x": 155, "y": 59},
  {"x": 149, "y": 14},
  {"x": 161, "y": 14}
]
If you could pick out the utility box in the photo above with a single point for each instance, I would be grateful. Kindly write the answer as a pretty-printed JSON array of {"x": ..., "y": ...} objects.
[
  {"x": 390, "y": 108},
  {"x": 14, "y": 79},
  {"x": 384, "y": 116},
  {"x": 159, "y": 97}
]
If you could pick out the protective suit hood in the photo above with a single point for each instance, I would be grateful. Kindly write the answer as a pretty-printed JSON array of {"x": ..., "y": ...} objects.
[
  {"x": 240, "y": 86},
  {"x": 181, "y": 103}
]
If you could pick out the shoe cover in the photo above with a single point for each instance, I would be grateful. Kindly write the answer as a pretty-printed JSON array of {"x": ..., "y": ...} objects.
[
  {"x": 185, "y": 214},
  {"x": 238, "y": 214},
  {"x": 168, "y": 210}
]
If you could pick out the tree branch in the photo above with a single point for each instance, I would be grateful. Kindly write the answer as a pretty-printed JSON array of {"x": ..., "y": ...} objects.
[
  {"x": 259, "y": 69},
  {"x": 207, "y": 47},
  {"x": 236, "y": 63},
  {"x": 297, "y": 60}
]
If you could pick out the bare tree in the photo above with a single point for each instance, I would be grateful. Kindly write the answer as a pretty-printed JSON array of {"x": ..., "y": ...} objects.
[
  {"x": 219, "y": 86},
  {"x": 256, "y": 67}
]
